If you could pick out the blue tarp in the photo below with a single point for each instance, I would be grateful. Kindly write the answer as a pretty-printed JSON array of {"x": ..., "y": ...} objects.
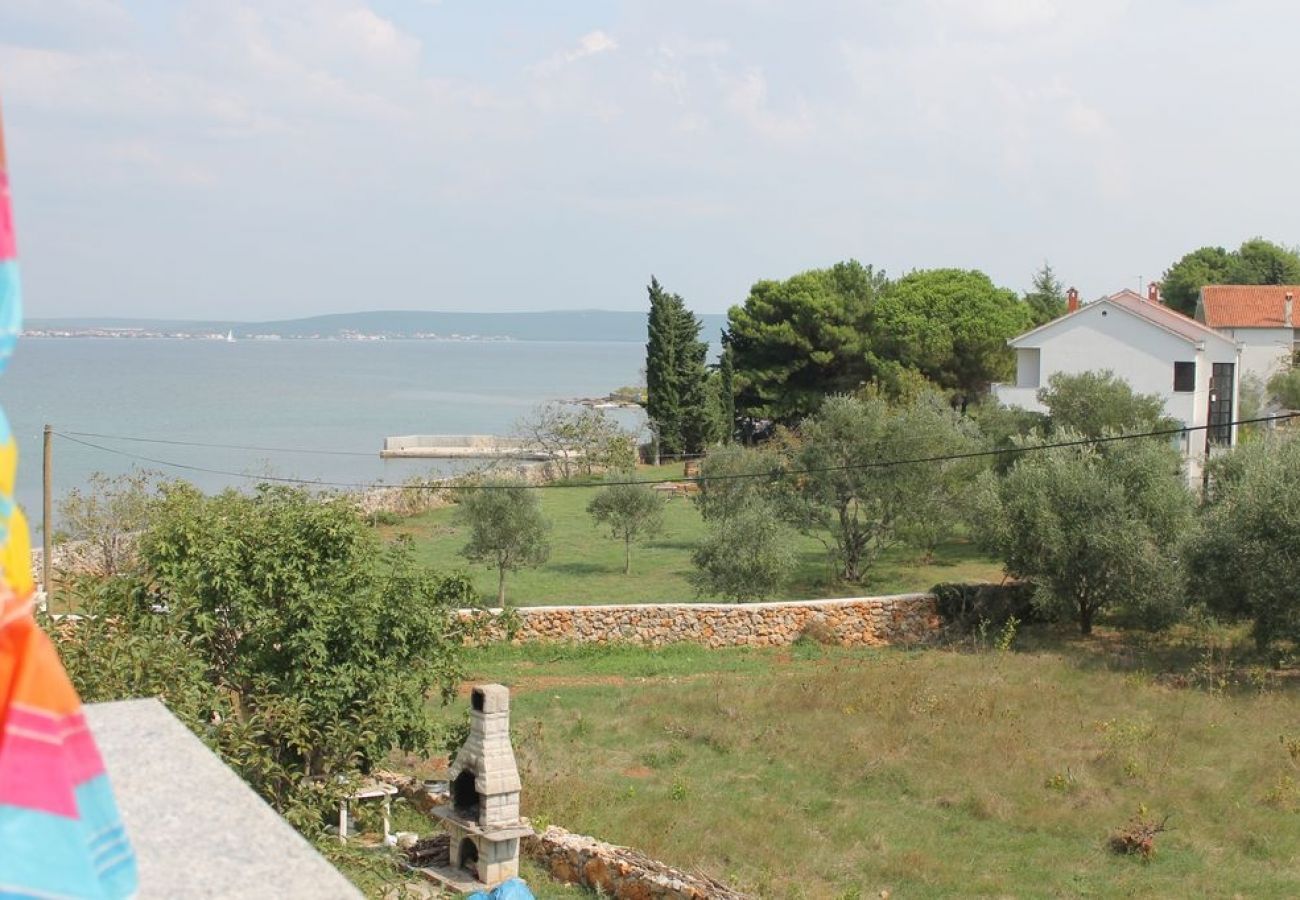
[{"x": 514, "y": 889}]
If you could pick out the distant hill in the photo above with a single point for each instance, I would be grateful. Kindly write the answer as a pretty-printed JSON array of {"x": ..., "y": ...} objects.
[{"x": 564, "y": 325}]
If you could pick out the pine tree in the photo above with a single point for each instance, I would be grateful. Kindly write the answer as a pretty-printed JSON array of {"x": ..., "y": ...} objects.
[{"x": 1046, "y": 299}]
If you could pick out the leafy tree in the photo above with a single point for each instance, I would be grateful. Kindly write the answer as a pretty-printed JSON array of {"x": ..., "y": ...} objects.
[
  {"x": 1243, "y": 563},
  {"x": 745, "y": 556},
  {"x": 578, "y": 439},
  {"x": 1256, "y": 261},
  {"x": 952, "y": 326},
  {"x": 108, "y": 516},
  {"x": 280, "y": 630},
  {"x": 630, "y": 511},
  {"x": 678, "y": 401},
  {"x": 1095, "y": 529},
  {"x": 1093, "y": 404},
  {"x": 844, "y": 497},
  {"x": 1182, "y": 282},
  {"x": 1264, "y": 262},
  {"x": 796, "y": 341},
  {"x": 1046, "y": 298},
  {"x": 506, "y": 528},
  {"x": 1284, "y": 387}
]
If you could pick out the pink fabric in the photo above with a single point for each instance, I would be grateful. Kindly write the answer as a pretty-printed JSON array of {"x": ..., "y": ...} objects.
[{"x": 8, "y": 249}]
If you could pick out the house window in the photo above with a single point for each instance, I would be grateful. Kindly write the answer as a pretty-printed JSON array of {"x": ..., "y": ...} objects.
[{"x": 1184, "y": 376}]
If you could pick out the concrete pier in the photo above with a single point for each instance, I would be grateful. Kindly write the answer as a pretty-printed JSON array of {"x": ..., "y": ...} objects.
[{"x": 461, "y": 446}]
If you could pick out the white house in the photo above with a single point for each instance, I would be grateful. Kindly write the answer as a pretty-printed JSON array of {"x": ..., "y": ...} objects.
[
  {"x": 1152, "y": 347},
  {"x": 1261, "y": 318}
]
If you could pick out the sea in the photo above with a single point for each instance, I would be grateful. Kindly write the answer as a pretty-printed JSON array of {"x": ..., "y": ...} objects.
[{"x": 316, "y": 410}]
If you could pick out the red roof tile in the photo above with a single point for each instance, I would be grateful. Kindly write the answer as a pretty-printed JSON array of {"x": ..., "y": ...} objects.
[{"x": 1245, "y": 305}]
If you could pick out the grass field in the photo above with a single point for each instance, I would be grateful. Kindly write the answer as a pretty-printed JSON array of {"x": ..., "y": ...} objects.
[
  {"x": 586, "y": 565},
  {"x": 825, "y": 772}
]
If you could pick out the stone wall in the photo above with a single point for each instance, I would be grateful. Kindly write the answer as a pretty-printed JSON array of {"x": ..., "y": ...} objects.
[
  {"x": 855, "y": 621},
  {"x": 617, "y": 871}
]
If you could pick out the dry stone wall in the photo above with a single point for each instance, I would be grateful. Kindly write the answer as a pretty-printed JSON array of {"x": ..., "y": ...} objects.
[{"x": 855, "y": 621}]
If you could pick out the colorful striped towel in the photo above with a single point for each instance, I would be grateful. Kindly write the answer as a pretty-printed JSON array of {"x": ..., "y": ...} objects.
[{"x": 60, "y": 834}]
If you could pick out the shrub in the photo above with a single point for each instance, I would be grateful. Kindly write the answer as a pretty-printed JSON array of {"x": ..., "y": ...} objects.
[
  {"x": 280, "y": 630},
  {"x": 1092, "y": 404},
  {"x": 746, "y": 556},
  {"x": 966, "y": 605}
]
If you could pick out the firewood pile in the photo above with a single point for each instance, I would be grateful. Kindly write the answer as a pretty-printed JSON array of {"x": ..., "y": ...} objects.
[{"x": 434, "y": 850}]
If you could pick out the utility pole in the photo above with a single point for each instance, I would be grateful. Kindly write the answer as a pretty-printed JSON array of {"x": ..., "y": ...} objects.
[{"x": 47, "y": 474}]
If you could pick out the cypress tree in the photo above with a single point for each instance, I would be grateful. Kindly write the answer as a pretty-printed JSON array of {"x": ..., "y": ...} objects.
[
  {"x": 726, "y": 394},
  {"x": 678, "y": 400},
  {"x": 663, "y": 401}
]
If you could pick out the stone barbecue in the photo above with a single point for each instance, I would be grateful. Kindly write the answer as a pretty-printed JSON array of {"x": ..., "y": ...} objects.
[{"x": 483, "y": 817}]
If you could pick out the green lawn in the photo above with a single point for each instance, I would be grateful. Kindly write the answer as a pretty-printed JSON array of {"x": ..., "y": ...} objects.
[
  {"x": 586, "y": 565},
  {"x": 825, "y": 772}
]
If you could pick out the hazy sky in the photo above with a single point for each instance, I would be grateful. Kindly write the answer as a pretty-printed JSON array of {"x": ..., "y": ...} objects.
[{"x": 266, "y": 158}]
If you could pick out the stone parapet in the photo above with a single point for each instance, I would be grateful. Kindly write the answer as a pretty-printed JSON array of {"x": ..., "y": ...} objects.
[{"x": 853, "y": 621}]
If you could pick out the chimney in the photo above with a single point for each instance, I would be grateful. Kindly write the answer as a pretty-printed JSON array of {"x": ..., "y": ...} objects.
[
  {"x": 1072, "y": 300},
  {"x": 1153, "y": 292},
  {"x": 1290, "y": 306}
]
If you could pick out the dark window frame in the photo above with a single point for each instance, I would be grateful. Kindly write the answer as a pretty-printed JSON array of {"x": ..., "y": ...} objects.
[{"x": 1184, "y": 377}]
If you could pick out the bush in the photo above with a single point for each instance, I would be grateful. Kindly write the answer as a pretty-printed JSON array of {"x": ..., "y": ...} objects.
[
  {"x": 279, "y": 629},
  {"x": 1093, "y": 404},
  {"x": 967, "y": 605}
]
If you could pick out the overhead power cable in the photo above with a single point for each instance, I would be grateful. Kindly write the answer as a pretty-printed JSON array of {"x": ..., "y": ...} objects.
[
  {"x": 176, "y": 443},
  {"x": 772, "y": 475}
]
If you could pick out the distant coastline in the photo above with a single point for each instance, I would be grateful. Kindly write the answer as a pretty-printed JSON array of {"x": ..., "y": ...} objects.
[
  {"x": 136, "y": 334},
  {"x": 619, "y": 326}
]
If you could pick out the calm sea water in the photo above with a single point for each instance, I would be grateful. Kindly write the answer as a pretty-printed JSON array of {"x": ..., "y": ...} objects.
[{"x": 293, "y": 394}]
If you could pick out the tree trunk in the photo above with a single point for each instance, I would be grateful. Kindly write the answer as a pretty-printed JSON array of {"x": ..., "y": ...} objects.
[
  {"x": 501, "y": 586},
  {"x": 1085, "y": 618},
  {"x": 627, "y": 555}
]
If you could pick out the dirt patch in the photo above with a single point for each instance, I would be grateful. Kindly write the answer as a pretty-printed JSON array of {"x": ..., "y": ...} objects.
[{"x": 639, "y": 772}]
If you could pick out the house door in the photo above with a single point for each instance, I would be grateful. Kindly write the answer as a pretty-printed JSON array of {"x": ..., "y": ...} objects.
[{"x": 1221, "y": 384}]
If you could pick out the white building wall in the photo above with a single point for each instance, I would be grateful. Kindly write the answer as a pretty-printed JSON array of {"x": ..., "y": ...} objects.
[{"x": 1264, "y": 351}]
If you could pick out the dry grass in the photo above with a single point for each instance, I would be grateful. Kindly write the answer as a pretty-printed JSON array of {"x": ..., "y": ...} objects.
[{"x": 825, "y": 772}]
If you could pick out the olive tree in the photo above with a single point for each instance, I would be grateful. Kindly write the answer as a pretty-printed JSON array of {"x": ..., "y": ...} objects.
[
  {"x": 856, "y": 488},
  {"x": 1243, "y": 563},
  {"x": 746, "y": 554},
  {"x": 1095, "y": 529},
  {"x": 506, "y": 528},
  {"x": 629, "y": 511},
  {"x": 1093, "y": 404}
]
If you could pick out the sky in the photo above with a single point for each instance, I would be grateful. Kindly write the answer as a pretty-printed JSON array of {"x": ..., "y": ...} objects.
[{"x": 256, "y": 159}]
